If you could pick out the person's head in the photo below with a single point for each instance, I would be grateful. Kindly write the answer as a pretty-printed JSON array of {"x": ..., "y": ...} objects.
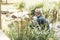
[{"x": 38, "y": 12}]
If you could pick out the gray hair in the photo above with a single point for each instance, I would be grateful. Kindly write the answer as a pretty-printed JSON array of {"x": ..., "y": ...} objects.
[{"x": 38, "y": 10}]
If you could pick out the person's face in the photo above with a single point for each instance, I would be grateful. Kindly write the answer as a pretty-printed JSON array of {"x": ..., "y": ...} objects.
[{"x": 37, "y": 14}]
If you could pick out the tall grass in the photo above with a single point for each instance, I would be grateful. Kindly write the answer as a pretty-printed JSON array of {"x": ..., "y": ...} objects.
[{"x": 20, "y": 30}]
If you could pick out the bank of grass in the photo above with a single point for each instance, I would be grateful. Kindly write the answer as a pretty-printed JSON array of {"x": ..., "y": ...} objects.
[{"x": 22, "y": 31}]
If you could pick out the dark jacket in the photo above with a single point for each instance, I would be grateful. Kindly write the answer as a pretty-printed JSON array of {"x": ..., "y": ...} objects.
[{"x": 41, "y": 20}]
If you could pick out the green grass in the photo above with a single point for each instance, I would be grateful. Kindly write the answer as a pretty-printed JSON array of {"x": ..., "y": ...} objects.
[{"x": 16, "y": 33}]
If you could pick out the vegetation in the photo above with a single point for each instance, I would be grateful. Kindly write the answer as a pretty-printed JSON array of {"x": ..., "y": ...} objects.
[
  {"x": 26, "y": 33},
  {"x": 20, "y": 30}
]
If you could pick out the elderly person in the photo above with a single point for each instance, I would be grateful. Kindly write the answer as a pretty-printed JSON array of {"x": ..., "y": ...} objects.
[{"x": 40, "y": 19}]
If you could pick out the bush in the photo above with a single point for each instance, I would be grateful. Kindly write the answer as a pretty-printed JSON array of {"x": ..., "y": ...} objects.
[{"x": 16, "y": 33}]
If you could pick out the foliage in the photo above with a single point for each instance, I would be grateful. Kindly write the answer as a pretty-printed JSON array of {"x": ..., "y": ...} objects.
[
  {"x": 32, "y": 8},
  {"x": 20, "y": 30},
  {"x": 16, "y": 33},
  {"x": 21, "y": 5}
]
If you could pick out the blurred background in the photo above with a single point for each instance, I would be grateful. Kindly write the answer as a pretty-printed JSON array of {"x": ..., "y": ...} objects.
[{"x": 16, "y": 15}]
